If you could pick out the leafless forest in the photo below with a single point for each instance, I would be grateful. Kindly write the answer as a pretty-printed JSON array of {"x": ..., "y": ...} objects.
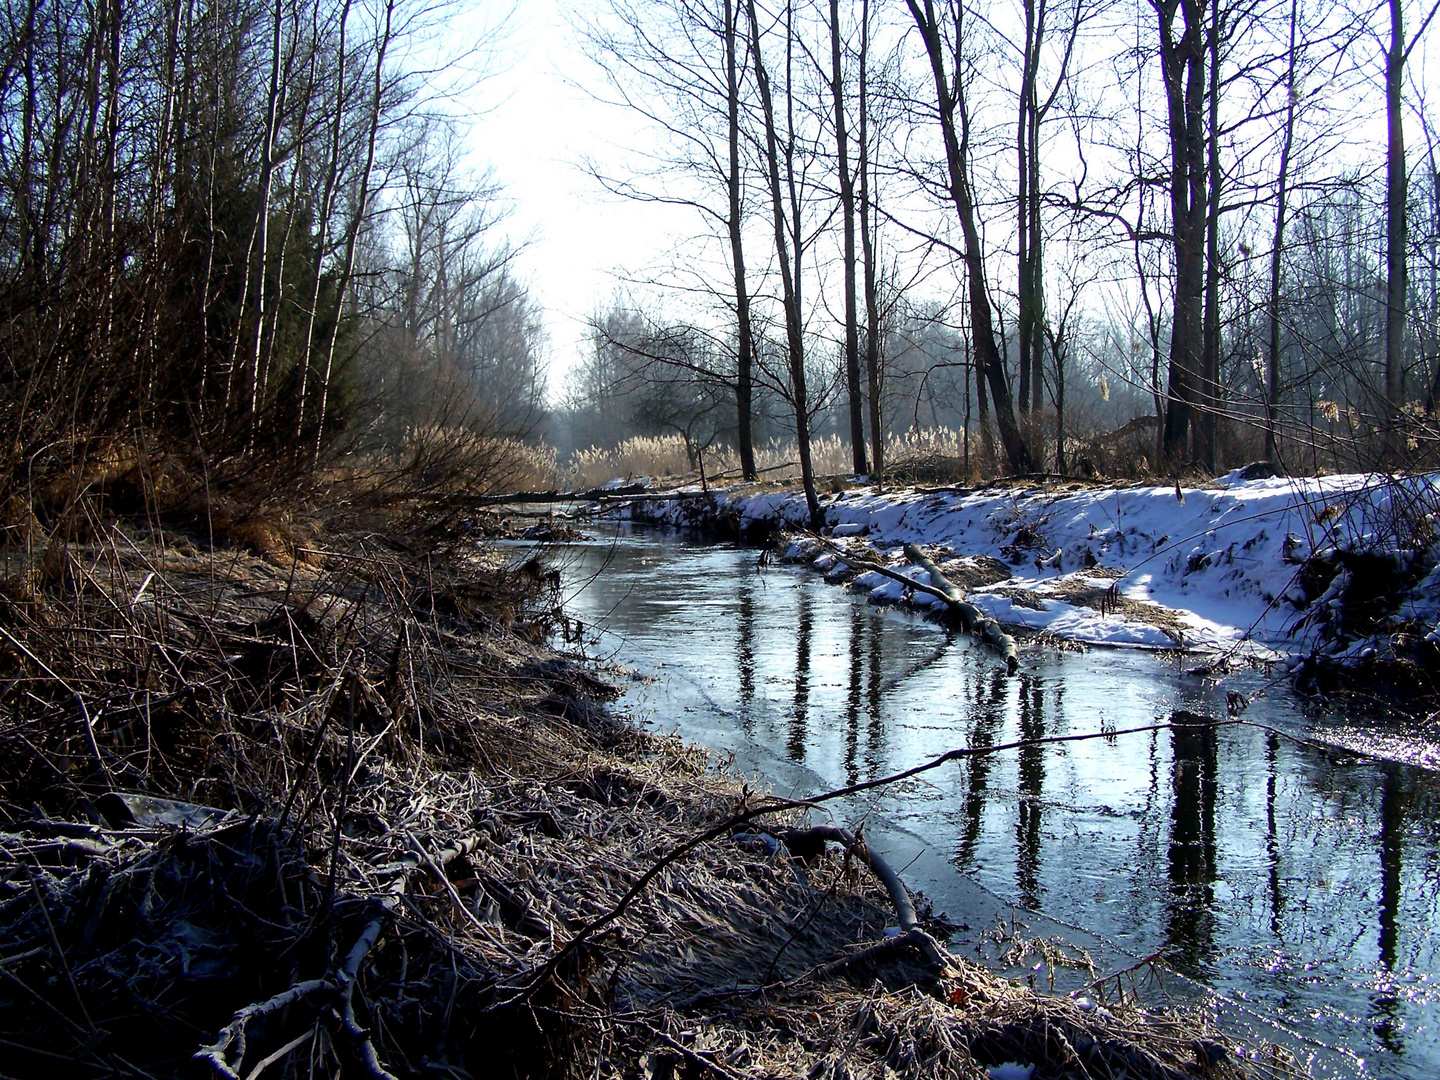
[
  {"x": 237, "y": 242},
  {"x": 240, "y": 240},
  {"x": 1038, "y": 222}
]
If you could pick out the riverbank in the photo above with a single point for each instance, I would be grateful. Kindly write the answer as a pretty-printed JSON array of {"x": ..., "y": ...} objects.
[
  {"x": 1329, "y": 572},
  {"x": 335, "y": 804}
]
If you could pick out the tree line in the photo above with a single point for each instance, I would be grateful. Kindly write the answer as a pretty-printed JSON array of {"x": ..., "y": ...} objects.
[
  {"x": 243, "y": 233},
  {"x": 1205, "y": 209}
]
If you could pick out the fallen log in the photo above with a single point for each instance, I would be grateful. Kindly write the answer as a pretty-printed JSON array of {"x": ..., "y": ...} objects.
[
  {"x": 971, "y": 618},
  {"x": 592, "y": 495}
]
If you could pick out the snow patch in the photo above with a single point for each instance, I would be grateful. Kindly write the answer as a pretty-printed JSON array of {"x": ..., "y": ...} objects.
[{"x": 1240, "y": 561}]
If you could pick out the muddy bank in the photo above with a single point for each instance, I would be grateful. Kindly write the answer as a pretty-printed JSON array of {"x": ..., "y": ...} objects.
[{"x": 345, "y": 809}]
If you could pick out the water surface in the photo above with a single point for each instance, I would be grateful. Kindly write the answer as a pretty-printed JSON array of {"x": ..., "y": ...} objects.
[{"x": 1287, "y": 870}]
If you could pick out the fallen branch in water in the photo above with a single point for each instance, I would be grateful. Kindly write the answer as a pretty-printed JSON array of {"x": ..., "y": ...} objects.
[{"x": 972, "y": 619}]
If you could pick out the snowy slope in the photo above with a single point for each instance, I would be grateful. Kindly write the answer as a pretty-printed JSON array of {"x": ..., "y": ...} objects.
[{"x": 1279, "y": 564}]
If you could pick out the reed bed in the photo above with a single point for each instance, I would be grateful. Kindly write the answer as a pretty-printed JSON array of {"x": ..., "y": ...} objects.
[{"x": 920, "y": 454}]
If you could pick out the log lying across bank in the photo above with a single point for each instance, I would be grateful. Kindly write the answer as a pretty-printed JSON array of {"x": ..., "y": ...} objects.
[
  {"x": 971, "y": 619},
  {"x": 592, "y": 495}
]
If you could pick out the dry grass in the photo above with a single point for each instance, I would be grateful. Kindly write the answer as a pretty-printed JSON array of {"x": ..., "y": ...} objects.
[
  {"x": 1079, "y": 590},
  {"x": 931, "y": 454},
  {"x": 343, "y": 816},
  {"x": 407, "y": 697}
]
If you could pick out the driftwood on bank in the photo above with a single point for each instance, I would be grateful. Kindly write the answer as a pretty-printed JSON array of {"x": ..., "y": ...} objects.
[
  {"x": 593, "y": 495},
  {"x": 972, "y": 619}
]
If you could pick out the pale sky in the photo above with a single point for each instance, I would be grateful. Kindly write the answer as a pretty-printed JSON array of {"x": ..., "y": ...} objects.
[{"x": 534, "y": 132}]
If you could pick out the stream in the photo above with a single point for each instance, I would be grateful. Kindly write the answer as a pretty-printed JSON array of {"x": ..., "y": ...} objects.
[{"x": 1290, "y": 877}]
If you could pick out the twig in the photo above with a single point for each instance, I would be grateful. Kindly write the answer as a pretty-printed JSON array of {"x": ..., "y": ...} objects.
[
  {"x": 1117, "y": 975},
  {"x": 90, "y": 737},
  {"x": 270, "y": 1059},
  {"x": 348, "y": 976},
  {"x": 37, "y": 661},
  {"x": 233, "y": 1034},
  {"x": 689, "y": 1055},
  {"x": 775, "y": 806},
  {"x": 459, "y": 903}
]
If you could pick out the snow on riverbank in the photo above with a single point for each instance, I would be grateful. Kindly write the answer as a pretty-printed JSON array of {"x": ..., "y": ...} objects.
[{"x": 1339, "y": 565}]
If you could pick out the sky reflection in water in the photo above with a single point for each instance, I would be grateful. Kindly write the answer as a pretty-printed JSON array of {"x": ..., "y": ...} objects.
[{"x": 1302, "y": 880}]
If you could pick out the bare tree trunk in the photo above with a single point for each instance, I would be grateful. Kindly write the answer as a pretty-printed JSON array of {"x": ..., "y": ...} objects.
[
  {"x": 1037, "y": 266},
  {"x": 1183, "y": 67},
  {"x": 262, "y": 221},
  {"x": 352, "y": 233},
  {"x": 987, "y": 355},
  {"x": 982, "y": 404},
  {"x": 1277, "y": 248},
  {"x": 1432, "y": 396},
  {"x": 109, "y": 179},
  {"x": 847, "y": 212},
  {"x": 1027, "y": 164},
  {"x": 27, "y": 241},
  {"x": 1033, "y": 326},
  {"x": 161, "y": 181},
  {"x": 1058, "y": 352},
  {"x": 322, "y": 227},
  {"x": 745, "y": 334},
  {"x": 1207, "y": 426},
  {"x": 790, "y": 294},
  {"x": 1395, "y": 234},
  {"x": 867, "y": 243}
]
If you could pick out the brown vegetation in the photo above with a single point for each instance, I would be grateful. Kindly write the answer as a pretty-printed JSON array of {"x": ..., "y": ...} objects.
[{"x": 330, "y": 804}]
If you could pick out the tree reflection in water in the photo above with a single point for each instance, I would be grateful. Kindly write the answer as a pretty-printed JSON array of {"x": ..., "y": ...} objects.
[
  {"x": 853, "y": 696},
  {"x": 875, "y": 760},
  {"x": 1272, "y": 836},
  {"x": 800, "y": 710},
  {"x": 745, "y": 656},
  {"x": 1395, "y": 805},
  {"x": 1032, "y": 791},
  {"x": 1304, "y": 854},
  {"x": 1190, "y": 916},
  {"x": 988, "y": 713}
]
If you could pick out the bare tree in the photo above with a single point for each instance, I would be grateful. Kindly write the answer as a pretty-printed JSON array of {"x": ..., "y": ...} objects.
[
  {"x": 867, "y": 244},
  {"x": 950, "y": 97},
  {"x": 788, "y": 239},
  {"x": 683, "y": 66},
  {"x": 847, "y": 218},
  {"x": 1277, "y": 248}
]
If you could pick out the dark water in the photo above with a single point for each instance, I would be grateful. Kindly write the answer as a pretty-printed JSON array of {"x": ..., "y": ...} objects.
[{"x": 1298, "y": 881}]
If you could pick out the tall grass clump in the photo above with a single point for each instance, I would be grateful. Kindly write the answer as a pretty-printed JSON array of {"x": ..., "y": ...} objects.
[
  {"x": 435, "y": 459},
  {"x": 643, "y": 455}
]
